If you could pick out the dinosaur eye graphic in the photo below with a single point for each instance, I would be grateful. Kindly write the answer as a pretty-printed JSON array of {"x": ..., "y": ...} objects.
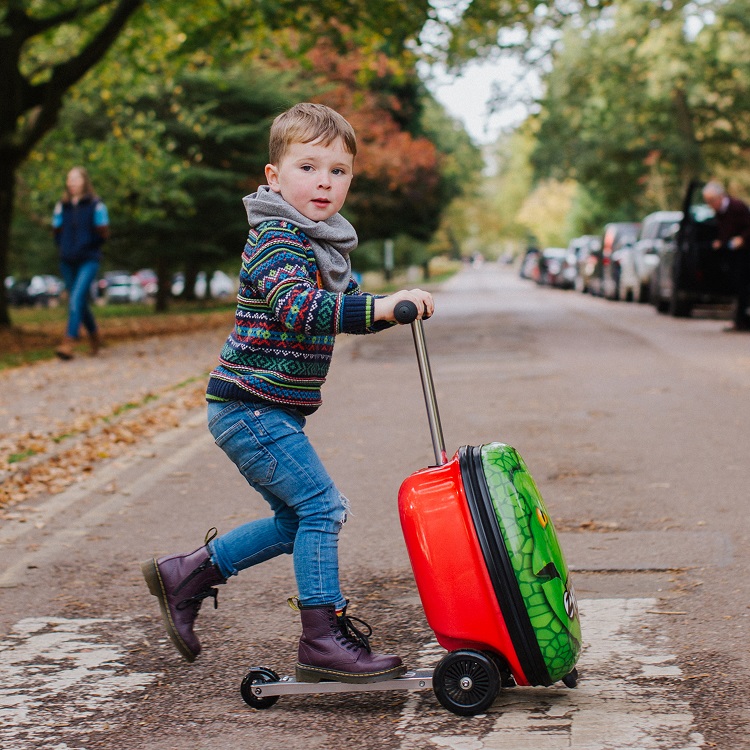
[
  {"x": 542, "y": 517},
  {"x": 571, "y": 605}
]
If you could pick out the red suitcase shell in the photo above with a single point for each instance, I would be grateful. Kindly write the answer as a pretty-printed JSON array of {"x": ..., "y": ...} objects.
[
  {"x": 457, "y": 595},
  {"x": 488, "y": 566}
]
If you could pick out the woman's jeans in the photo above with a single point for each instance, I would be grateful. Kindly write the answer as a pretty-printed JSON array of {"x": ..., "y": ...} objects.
[
  {"x": 269, "y": 447},
  {"x": 78, "y": 278}
]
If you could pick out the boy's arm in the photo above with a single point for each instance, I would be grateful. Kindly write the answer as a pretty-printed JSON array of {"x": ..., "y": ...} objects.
[
  {"x": 384, "y": 305},
  {"x": 279, "y": 272}
]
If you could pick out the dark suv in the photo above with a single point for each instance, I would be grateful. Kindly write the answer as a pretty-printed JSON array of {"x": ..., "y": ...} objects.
[{"x": 690, "y": 271}]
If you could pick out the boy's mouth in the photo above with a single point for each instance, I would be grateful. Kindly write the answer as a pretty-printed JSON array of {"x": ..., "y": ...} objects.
[{"x": 321, "y": 202}]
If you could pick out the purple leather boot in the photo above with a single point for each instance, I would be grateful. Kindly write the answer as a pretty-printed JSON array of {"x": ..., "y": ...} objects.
[
  {"x": 181, "y": 583},
  {"x": 332, "y": 648}
]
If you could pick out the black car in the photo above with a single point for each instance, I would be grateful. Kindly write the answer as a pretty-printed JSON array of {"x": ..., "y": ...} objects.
[
  {"x": 38, "y": 291},
  {"x": 690, "y": 271}
]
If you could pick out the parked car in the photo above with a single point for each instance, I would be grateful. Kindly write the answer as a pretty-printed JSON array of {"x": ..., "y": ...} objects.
[
  {"x": 690, "y": 271},
  {"x": 148, "y": 279},
  {"x": 552, "y": 266},
  {"x": 530, "y": 264},
  {"x": 124, "y": 287},
  {"x": 41, "y": 290},
  {"x": 220, "y": 285},
  {"x": 637, "y": 262},
  {"x": 102, "y": 284},
  {"x": 617, "y": 235},
  {"x": 586, "y": 250}
]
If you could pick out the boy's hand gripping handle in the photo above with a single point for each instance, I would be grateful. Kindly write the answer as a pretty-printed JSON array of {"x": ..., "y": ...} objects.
[{"x": 406, "y": 312}]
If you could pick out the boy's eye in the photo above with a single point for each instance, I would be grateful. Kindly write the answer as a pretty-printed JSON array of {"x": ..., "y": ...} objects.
[
  {"x": 307, "y": 168},
  {"x": 338, "y": 171}
]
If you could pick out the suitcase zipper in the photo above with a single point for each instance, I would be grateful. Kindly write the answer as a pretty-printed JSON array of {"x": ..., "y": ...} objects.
[{"x": 499, "y": 567}]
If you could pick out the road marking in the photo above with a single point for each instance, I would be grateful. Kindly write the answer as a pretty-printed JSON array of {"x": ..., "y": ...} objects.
[
  {"x": 624, "y": 699},
  {"x": 56, "y": 674}
]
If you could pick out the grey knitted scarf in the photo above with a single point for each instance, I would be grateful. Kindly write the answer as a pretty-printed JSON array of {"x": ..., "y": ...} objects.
[{"x": 332, "y": 240}]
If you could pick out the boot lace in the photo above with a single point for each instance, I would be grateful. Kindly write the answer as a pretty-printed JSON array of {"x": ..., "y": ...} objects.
[{"x": 352, "y": 636}]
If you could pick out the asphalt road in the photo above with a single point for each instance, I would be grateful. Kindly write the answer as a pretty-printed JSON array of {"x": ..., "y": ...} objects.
[{"x": 635, "y": 428}]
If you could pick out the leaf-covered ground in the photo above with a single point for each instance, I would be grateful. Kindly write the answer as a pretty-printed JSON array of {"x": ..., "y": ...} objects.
[{"x": 58, "y": 419}]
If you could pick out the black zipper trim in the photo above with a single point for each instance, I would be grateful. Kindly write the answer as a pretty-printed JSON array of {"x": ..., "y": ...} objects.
[{"x": 499, "y": 567}]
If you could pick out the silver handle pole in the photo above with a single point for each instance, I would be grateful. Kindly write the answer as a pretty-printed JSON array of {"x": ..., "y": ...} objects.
[{"x": 433, "y": 415}]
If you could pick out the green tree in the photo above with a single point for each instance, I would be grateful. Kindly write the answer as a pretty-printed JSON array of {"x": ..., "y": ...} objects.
[
  {"x": 637, "y": 107},
  {"x": 48, "y": 46},
  {"x": 32, "y": 90}
]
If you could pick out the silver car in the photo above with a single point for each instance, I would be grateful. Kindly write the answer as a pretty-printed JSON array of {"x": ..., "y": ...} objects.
[{"x": 638, "y": 261}]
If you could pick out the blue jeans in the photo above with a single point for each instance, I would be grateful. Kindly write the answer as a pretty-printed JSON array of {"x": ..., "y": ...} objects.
[
  {"x": 269, "y": 447},
  {"x": 78, "y": 278}
]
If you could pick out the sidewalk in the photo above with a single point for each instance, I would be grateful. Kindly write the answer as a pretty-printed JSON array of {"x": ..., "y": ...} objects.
[{"x": 64, "y": 415}]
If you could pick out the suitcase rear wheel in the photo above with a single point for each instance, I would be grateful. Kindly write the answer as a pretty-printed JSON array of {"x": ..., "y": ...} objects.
[
  {"x": 466, "y": 682},
  {"x": 571, "y": 679},
  {"x": 252, "y": 678}
]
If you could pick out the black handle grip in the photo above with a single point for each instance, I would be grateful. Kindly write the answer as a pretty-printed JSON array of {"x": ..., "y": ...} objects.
[{"x": 405, "y": 312}]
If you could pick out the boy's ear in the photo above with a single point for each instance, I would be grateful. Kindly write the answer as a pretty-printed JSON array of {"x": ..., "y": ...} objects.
[{"x": 272, "y": 178}]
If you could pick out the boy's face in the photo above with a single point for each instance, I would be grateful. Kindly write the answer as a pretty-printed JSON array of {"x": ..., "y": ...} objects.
[{"x": 313, "y": 178}]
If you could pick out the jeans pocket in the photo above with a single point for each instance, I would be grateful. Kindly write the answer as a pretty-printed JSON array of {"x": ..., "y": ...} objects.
[
  {"x": 250, "y": 456},
  {"x": 217, "y": 410}
]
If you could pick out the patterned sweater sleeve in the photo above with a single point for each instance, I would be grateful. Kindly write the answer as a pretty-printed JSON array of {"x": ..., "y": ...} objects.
[
  {"x": 281, "y": 273},
  {"x": 378, "y": 325}
]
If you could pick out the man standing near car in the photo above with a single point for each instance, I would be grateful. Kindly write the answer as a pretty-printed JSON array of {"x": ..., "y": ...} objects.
[{"x": 733, "y": 221}]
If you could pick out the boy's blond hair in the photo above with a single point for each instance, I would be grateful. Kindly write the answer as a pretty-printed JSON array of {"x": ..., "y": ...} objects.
[{"x": 305, "y": 123}]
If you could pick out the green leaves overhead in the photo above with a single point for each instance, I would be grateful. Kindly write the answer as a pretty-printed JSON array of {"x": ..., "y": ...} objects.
[{"x": 646, "y": 99}]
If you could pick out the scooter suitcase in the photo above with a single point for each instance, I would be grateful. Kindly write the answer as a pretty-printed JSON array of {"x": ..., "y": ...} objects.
[
  {"x": 487, "y": 562},
  {"x": 492, "y": 579}
]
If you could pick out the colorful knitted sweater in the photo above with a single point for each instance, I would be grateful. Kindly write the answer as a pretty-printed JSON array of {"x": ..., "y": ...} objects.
[{"x": 281, "y": 346}]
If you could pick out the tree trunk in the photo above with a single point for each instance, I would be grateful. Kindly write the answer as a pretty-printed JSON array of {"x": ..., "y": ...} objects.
[
  {"x": 191, "y": 276},
  {"x": 29, "y": 110},
  {"x": 165, "y": 284},
  {"x": 7, "y": 177}
]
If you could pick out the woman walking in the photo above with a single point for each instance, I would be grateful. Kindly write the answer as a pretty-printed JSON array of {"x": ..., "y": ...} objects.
[{"x": 81, "y": 225}]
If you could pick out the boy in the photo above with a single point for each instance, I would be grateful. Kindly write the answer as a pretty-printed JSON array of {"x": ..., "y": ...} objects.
[{"x": 296, "y": 293}]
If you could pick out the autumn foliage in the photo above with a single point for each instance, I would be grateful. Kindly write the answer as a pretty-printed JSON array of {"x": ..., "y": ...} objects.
[{"x": 397, "y": 185}]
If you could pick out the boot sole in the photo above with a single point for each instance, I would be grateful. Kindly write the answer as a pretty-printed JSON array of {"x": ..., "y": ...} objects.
[
  {"x": 150, "y": 571},
  {"x": 306, "y": 673}
]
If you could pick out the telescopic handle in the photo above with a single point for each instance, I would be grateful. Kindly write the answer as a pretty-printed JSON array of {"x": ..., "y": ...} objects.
[{"x": 406, "y": 312}]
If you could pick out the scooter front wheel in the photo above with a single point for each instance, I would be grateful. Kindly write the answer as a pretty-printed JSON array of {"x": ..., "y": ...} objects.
[{"x": 252, "y": 678}]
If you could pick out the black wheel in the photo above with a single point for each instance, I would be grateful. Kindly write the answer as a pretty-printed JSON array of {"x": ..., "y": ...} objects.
[
  {"x": 571, "y": 679},
  {"x": 252, "y": 678},
  {"x": 679, "y": 301},
  {"x": 679, "y": 307},
  {"x": 466, "y": 682}
]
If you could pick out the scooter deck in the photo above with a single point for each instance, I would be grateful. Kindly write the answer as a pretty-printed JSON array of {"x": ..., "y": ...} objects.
[{"x": 418, "y": 679}]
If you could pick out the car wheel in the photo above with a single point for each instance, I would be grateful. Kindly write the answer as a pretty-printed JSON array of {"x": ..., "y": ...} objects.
[
  {"x": 643, "y": 294},
  {"x": 679, "y": 307}
]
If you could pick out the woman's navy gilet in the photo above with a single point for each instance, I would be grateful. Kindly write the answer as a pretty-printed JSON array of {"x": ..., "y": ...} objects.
[{"x": 78, "y": 239}]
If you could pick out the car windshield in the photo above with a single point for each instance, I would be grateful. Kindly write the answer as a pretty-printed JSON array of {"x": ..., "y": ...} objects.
[
  {"x": 700, "y": 212},
  {"x": 665, "y": 227}
]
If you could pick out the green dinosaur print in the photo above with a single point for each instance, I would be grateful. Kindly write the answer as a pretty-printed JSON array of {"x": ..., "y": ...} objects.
[{"x": 536, "y": 557}]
